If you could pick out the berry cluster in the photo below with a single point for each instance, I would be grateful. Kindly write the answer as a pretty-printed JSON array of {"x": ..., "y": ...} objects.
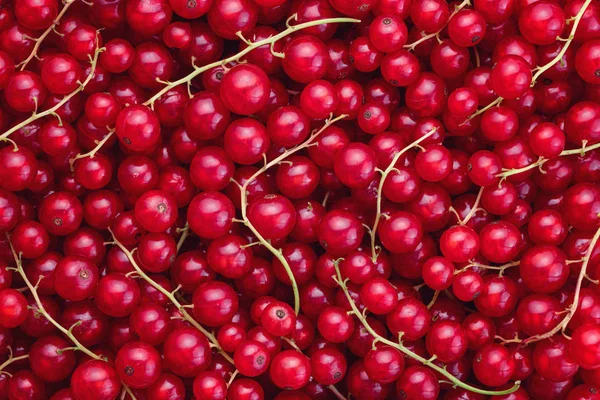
[{"x": 299, "y": 199}]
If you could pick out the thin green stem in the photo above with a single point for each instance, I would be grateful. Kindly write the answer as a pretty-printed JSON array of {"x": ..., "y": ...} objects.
[
  {"x": 171, "y": 296},
  {"x": 562, "y": 326},
  {"x": 184, "y": 234},
  {"x": 11, "y": 360},
  {"x": 384, "y": 175},
  {"x": 236, "y": 57},
  {"x": 474, "y": 208},
  {"x": 244, "y": 205},
  {"x": 428, "y": 362},
  {"x": 35, "y": 116},
  {"x": 95, "y": 150},
  {"x": 38, "y": 42},
  {"x": 568, "y": 42},
  {"x": 42, "y": 310}
]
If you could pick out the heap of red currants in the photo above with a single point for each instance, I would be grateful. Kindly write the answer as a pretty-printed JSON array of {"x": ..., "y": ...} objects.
[{"x": 299, "y": 199}]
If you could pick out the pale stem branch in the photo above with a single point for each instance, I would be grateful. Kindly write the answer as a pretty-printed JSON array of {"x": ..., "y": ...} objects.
[
  {"x": 473, "y": 209},
  {"x": 92, "y": 153},
  {"x": 562, "y": 326},
  {"x": 171, "y": 296},
  {"x": 35, "y": 116},
  {"x": 236, "y": 57},
  {"x": 244, "y": 204},
  {"x": 40, "y": 39},
  {"x": 391, "y": 167},
  {"x": 428, "y": 362}
]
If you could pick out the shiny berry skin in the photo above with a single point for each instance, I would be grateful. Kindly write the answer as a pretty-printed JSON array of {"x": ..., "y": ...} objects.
[
  {"x": 117, "y": 295},
  {"x": 251, "y": 358},
  {"x": 430, "y": 15},
  {"x": 205, "y": 117},
  {"x": 273, "y": 216},
  {"x": 388, "y": 33},
  {"x": 379, "y": 296},
  {"x": 319, "y": 99},
  {"x": 156, "y": 211},
  {"x": 290, "y": 369},
  {"x": 542, "y": 23},
  {"x": 447, "y": 340},
  {"x": 186, "y": 352},
  {"x": 214, "y": 303},
  {"x": 438, "y": 273},
  {"x": 467, "y": 28},
  {"x": 511, "y": 69},
  {"x": 335, "y": 325},
  {"x": 498, "y": 296},
  {"x": 418, "y": 382},
  {"x": 210, "y": 214},
  {"x": 544, "y": 269},
  {"x": 210, "y": 385},
  {"x": 75, "y": 278},
  {"x": 13, "y": 308},
  {"x": 328, "y": 365},
  {"x": 500, "y": 241},
  {"x": 244, "y": 89},
  {"x": 288, "y": 126},
  {"x": 61, "y": 213},
  {"x": 148, "y": 17},
  {"x": 547, "y": 140},
  {"x": 585, "y": 346},
  {"x": 278, "y": 319},
  {"x": 138, "y": 127},
  {"x": 246, "y": 141},
  {"x": 355, "y": 165},
  {"x": 493, "y": 365},
  {"x": 95, "y": 379},
  {"x": 410, "y": 317},
  {"x": 25, "y": 92},
  {"x": 19, "y": 168},
  {"x": 305, "y": 59},
  {"x": 30, "y": 239},
  {"x": 400, "y": 232},
  {"x": 340, "y": 232}
]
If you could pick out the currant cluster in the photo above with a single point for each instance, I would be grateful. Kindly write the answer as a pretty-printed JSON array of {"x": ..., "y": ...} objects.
[{"x": 294, "y": 200}]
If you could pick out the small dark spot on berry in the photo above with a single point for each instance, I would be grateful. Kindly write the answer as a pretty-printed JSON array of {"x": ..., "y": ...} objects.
[
  {"x": 135, "y": 335},
  {"x": 475, "y": 39},
  {"x": 280, "y": 313},
  {"x": 219, "y": 75},
  {"x": 126, "y": 141},
  {"x": 402, "y": 394},
  {"x": 393, "y": 81},
  {"x": 260, "y": 360},
  {"x": 324, "y": 244},
  {"x": 547, "y": 81},
  {"x": 337, "y": 375},
  {"x": 479, "y": 358},
  {"x": 270, "y": 196},
  {"x": 593, "y": 390},
  {"x": 128, "y": 370},
  {"x": 476, "y": 295},
  {"x": 191, "y": 3},
  {"x": 387, "y": 21},
  {"x": 172, "y": 259},
  {"x": 367, "y": 114},
  {"x": 363, "y": 7},
  {"x": 351, "y": 59},
  {"x": 57, "y": 221},
  {"x": 469, "y": 167},
  {"x": 597, "y": 72},
  {"x": 84, "y": 274},
  {"x": 162, "y": 208}
]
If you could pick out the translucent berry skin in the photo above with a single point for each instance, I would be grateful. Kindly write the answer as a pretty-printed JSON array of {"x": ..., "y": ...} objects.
[
  {"x": 500, "y": 241},
  {"x": 355, "y": 165},
  {"x": 340, "y": 232},
  {"x": 290, "y": 369},
  {"x": 273, "y": 216},
  {"x": 511, "y": 69},
  {"x": 305, "y": 59},
  {"x": 493, "y": 365},
  {"x": 214, "y": 303},
  {"x": 205, "y": 117},
  {"x": 138, "y": 364},
  {"x": 186, "y": 352},
  {"x": 95, "y": 379},
  {"x": 542, "y": 23},
  {"x": 210, "y": 214},
  {"x": 244, "y": 89}
]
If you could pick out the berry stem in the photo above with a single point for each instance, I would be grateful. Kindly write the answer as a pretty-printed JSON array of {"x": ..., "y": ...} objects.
[
  {"x": 11, "y": 360},
  {"x": 540, "y": 70},
  {"x": 391, "y": 167},
  {"x": 236, "y": 57},
  {"x": 244, "y": 204},
  {"x": 474, "y": 209},
  {"x": 184, "y": 234},
  {"x": 562, "y": 326},
  {"x": 428, "y": 362},
  {"x": 42, "y": 310},
  {"x": 171, "y": 296},
  {"x": 52, "y": 110},
  {"x": 40, "y": 39},
  {"x": 92, "y": 152},
  {"x": 413, "y": 45},
  {"x": 562, "y": 51}
]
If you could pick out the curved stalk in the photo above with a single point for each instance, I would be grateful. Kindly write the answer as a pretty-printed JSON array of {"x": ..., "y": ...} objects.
[
  {"x": 429, "y": 363},
  {"x": 384, "y": 174},
  {"x": 171, "y": 296},
  {"x": 38, "y": 42},
  {"x": 252, "y": 46},
  {"x": 52, "y": 110},
  {"x": 244, "y": 204}
]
